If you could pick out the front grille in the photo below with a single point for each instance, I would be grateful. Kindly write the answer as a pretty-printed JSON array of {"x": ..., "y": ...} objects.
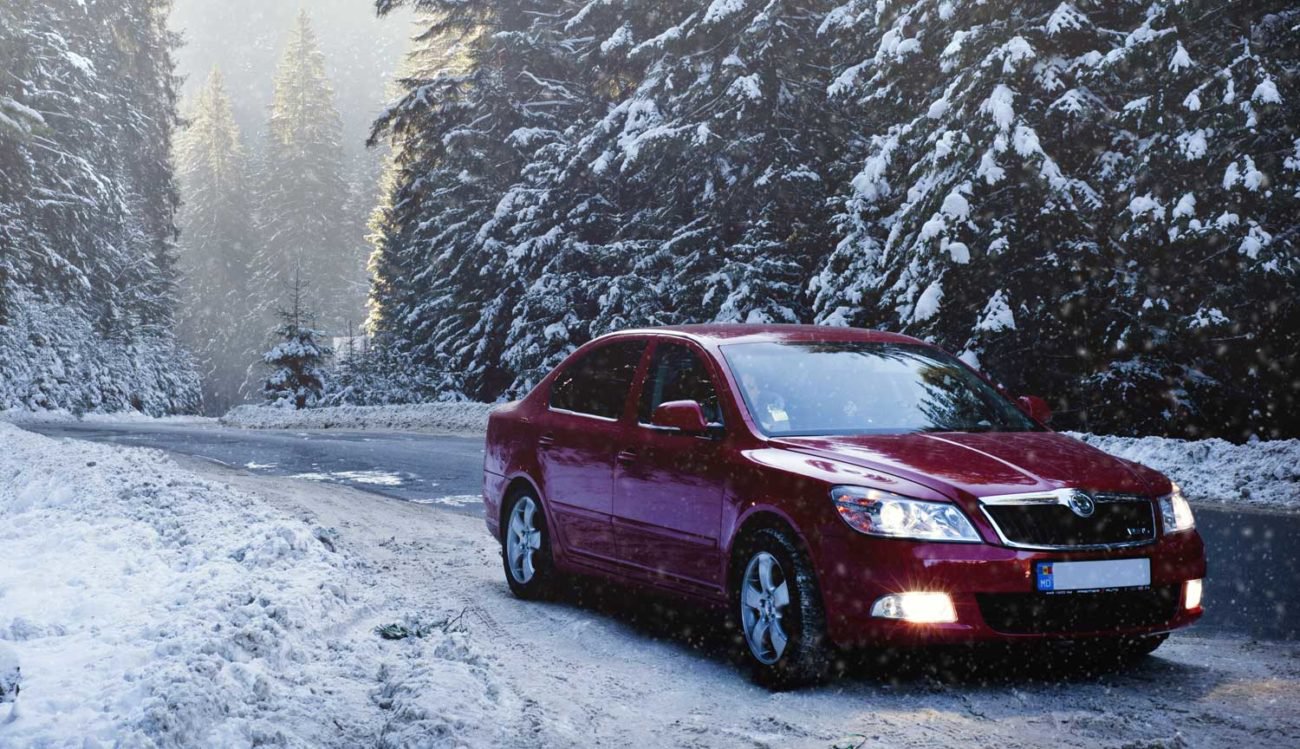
[
  {"x": 1116, "y": 520},
  {"x": 1054, "y": 613}
]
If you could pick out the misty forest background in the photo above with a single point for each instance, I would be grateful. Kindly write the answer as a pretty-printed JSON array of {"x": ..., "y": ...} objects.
[{"x": 1095, "y": 201}]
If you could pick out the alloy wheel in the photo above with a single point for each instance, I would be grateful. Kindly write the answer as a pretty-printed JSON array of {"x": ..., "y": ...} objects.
[
  {"x": 523, "y": 539},
  {"x": 764, "y": 598}
]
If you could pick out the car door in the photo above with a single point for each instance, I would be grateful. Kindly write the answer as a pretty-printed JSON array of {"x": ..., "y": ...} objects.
[
  {"x": 668, "y": 486},
  {"x": 577, "y": 440}
]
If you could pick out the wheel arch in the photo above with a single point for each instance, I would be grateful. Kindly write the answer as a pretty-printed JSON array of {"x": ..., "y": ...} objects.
[
  {"x": 521, "y": 484},
  {"x": 756, "y": 519}
]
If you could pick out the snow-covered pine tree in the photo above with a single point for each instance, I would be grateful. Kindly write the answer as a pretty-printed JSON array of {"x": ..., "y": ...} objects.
[
  {"x": 302, "y": 192},
  {"x": 971, "y": 218},
  {"x": 461, "y": 135},
  {"x": 1011, "y": 202},
  {"x": 297, "y": 363},
  {"x": 690, "y": 191},
  {"x": 1203, "y": 172},
  {"x": 216, "y": 250},
  {"x": 87, "y": 109}
]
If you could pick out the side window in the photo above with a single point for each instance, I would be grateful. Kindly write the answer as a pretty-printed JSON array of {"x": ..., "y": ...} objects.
[
  {"x": 599, "y": 382},
  {"x": 678, "y": 374}
]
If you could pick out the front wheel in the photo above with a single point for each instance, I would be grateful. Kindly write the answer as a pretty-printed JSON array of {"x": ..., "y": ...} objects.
[
  {"x": 526, "y": 549},
  {"x": 779, "y": 611}
]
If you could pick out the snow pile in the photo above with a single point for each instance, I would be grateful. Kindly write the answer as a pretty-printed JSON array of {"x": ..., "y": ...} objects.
[
  {"x": 117, "y": 417},
  {"x": 1214, "y": 470},
  {"x": 150, "y": 607},
  {"x": 462, "y": 417},
  {"x": 10, "y": 675}
]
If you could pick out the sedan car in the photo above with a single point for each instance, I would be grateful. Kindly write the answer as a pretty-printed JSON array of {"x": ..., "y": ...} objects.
[{"x": 832, "y": 487}]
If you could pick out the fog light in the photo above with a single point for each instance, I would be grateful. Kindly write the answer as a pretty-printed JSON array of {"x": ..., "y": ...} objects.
[
  {"x": 1192, "y": 595},
  {"x": 922, "y": 608}
]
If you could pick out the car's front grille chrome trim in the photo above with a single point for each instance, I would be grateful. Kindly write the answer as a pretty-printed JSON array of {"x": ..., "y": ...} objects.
[{"x": 1065, "y": 498}]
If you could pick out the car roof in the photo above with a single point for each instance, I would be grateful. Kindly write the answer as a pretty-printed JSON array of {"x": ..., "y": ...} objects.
[{"x": 718, "y": 333}]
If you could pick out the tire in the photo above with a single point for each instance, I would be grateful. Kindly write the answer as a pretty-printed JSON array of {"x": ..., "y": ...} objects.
[
  {"x": 526, "y": 548},
  {"x": 777, "y": 610}
]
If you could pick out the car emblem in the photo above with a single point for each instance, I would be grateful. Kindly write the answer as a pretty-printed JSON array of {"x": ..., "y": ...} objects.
[{"x": 1082, "y": 505}]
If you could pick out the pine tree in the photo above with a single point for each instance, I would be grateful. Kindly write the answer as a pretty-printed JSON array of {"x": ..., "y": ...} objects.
[
  {"x": 303, "y": 194},
  {"x": 297, "y": 374},
  {"x": 217, "y": 245},
  {"x": 1206, "y": 190},
  {"x": 696, "y": 192},
  {"x": 1107, "y": 190},
  {"x": 461, "y": 137},
  {"x": 87, "y": 204},
  {"x": 1022, "y": 196}
]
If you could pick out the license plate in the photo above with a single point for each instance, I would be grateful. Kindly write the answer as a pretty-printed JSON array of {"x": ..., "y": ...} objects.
[{"x": 1106, "y": 573}]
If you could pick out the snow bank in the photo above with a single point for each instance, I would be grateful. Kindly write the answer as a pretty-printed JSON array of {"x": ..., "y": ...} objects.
[
  {"x": 19, "y": 416},
  {"x": 149, "y": 607},
  {"x": 1214, "y": 470},
  {"x": 454, "y": 418},
  {"x": 10, "y": 674}
]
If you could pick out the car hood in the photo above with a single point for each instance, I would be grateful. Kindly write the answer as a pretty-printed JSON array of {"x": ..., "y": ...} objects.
[{"x": 986, "y": 464}]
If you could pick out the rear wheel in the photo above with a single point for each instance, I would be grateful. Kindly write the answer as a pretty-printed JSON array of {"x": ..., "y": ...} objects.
[
  {"x": 779, "y": 611},
  {"x": 526, "y": 548}
]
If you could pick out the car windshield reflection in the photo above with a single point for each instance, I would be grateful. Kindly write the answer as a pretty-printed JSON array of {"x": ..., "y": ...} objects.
[{"x": 839, "y": 388}]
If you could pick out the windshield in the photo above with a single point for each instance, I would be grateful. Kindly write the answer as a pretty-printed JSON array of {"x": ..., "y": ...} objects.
[{"x": 804, "y": 389}]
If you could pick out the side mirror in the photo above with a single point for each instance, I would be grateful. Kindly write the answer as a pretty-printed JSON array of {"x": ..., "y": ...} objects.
[
  {"x": 1036, "y": 407},
  {"x": 684, "y": 416}
]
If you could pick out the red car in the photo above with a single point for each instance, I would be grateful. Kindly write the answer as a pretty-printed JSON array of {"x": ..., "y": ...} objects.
[{"x": 833, "y": 486}]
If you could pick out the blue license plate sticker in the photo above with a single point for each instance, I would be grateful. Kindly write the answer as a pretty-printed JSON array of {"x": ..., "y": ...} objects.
[{"x": 1045, "y": 581}]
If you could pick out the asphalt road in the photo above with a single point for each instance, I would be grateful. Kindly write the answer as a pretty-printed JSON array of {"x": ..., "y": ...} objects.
[{"x": 1254, "y": 557}]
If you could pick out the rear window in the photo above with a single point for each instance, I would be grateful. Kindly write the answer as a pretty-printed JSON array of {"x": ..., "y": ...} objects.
[{"x": 597, "y": 384}]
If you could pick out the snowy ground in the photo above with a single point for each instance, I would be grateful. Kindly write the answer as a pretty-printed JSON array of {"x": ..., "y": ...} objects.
[
  {"x": 443, "y": 418},
  {"x": 150, "y": 605},
  {"x": 118, "y": 417},
  {"x": 1265, "y": 474}
]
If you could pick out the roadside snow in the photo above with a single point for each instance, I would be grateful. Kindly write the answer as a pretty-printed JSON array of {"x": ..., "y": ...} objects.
[
  {"x": 446, "y": 418},
  {"x": 147, "y": 607},
  {"x": 1214, "y": 470},
  {"x": 131, "y": 417}
]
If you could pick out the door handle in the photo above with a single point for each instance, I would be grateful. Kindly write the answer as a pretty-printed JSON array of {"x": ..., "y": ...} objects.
[
  {"x": 546, "y": 440},
  {"x": 627, "y": 456}
]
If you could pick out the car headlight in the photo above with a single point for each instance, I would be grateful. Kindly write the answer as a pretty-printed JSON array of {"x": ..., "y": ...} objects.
[
  {"x": 1175, "y": 513},
  {"x": 880, "y": 513}
]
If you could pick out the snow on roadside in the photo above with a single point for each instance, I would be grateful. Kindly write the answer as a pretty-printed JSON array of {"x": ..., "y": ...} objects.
[
  {"x": 463, "y": 417},
  {"x": 1214, "y": 470},
  {"x": 146, "y": 606},
  {"x": 21, "y": 417}
]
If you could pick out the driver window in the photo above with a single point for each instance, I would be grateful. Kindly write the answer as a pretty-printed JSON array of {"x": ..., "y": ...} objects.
[{"x": 678, "y": 374}]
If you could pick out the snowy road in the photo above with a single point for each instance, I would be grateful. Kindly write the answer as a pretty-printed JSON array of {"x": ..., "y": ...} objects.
[
  {"x": 1254, "y": 556},
  {"x": 231, "y": 608},
  {"x": 419, "y": 468}
]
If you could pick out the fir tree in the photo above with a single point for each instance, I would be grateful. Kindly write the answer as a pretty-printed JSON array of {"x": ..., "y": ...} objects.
[
  {"x": 297, "y": 374},
  {"x": 303, "y": 194},
  {"x": 217, "y": 246},
  {"x": 87, "y": 204},
  {"x": 1105, "y": 189},
  {"x": 1030, "y": 190},
  {"x": 462, "y": 134}
]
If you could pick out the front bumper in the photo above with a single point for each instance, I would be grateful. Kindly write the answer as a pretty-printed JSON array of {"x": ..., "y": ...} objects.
[{"x": 993, "y": 592}]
